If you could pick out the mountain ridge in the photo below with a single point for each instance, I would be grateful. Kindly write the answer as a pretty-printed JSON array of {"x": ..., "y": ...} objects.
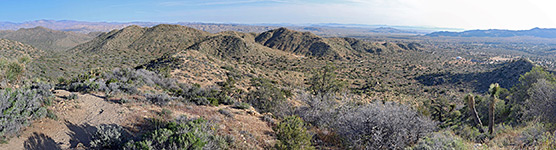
[
  {"x": 47, "y": 39},
  {"x": 534, "y": 32}
]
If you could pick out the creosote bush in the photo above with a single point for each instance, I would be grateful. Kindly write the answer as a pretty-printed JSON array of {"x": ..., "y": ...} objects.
[
  {"x": 180, "y": 134},
  {"x": 127, "y": 81},
  {"x": 439, "y": 141},
  {"x": 381, "y": 126},
  {"x": 268, "y": 98},
  {"x": 292, "y": 134},
  {"x": 19, "y": 106},
  {"x": 109, "y": 137}
]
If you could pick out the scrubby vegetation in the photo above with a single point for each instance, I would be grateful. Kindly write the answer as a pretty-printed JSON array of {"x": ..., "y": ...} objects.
[
  {"x": 310, "y": 92},
  {"x": 180, "y": 134},
  {"x": 292, "y": 134},
  {"x": 20, "y": 106}
]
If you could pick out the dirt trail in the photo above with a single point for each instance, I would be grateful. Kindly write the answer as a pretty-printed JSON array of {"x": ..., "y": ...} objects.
[
  {"x": 75, "y": 124},
  {"x": 77, "y": 120}
]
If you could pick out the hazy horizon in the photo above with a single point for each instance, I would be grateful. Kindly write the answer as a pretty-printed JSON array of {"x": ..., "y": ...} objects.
[{"x": 470, "y": 14}]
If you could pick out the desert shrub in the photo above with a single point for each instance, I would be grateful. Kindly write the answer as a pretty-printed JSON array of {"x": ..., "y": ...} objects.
[
  {"x": 19, "y": 106},
  {"x": 51, "y": 115},
  {"x": 541, "y": 102},
  {"x": 380, "y": 126},
  {"x": 118, "y": 81},
  {"x": 159, "y": 99},
  {"x": 72, "y": 96},
  {"x": 440, "y": 141},
  {"x": 128, "y": 81},
  {"x": 292, "y": 134},
  {"x": 324, "y": 81},
  {"x": 532, "y": 134},
  {"x": 521, "y": 92},
  {"x": 226, "y": 113},
  {"x": 548, "y": 141},
  {"x": 444, "y": 111},
  {"x": 109, "y": 137},
  {"x": 319, "y": 109},
  {"x": 202, "y": 96},
  {"x": 268, "y": 98},
  {"x": 181, "y": 134},
  {"x": 241, "y": 105},
  {"x": 471, "y": 133}
]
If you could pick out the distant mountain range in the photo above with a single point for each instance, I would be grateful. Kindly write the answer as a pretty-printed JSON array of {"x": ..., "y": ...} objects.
[
  {"x": 71, "y": 25},
  {"x": 535, "y": 32},
  {"x": 324, "y": 29},
  {"x": 47, "y": 39}
]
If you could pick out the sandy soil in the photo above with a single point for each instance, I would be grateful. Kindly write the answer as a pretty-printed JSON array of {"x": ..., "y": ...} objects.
[{"x": 76, "y": 122}]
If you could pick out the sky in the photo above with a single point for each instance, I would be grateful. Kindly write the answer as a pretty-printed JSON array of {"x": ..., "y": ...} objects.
[{"x": 466, "y": 14}]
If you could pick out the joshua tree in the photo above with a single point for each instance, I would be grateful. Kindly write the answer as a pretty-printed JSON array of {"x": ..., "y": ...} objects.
[
  {"x": 494, "y": 92},
  {"x": 473, "y": 112}
]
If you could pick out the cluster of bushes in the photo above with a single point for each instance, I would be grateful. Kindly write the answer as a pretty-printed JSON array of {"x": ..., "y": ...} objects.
[
  {"x": 292, "y": 134},
  {"x": 12, "y": 72},
  {"x": 202, "y": 96},
  {"x": 181, "y": 134},
  {"x": 117, "y": 81},
  {"x": 267, "y": 98},
  {"x": 127, "y": 81},
  {"x": 375, "y": 125},
  {"x": 531, "y": 101},
  {"x": 440, "y": 140},
  {"x": 381, "y": 126},
  {"x": 20, "y": 106}
]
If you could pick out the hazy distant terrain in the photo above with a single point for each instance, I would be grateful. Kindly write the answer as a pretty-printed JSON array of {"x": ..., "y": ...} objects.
[
  {"x": 47, "y": 39},
  {"x": 535, "y": 32},
  {"x": 319, "y": 29}
]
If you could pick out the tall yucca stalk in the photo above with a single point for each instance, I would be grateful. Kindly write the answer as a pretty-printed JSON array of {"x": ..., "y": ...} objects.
[
  {"x": 494, "y": 92},
  {"x": 471, "y": 104}
]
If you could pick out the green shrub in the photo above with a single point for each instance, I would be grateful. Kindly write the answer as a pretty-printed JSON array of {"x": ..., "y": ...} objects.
[
  {"x": 380, "y": 126},
  {"x": 267, "y": 98},
  {"x": 226, "y": 113},
  {"x": 108, "y": 137},
  {"x": 440, "y": 140},
  {"x": 532, "y": 134},
  {"x": 472, "y": 134},
  {"x": 548, "y": 141},
  {"x": 292, "y": 134},
  {"x": 51, "y": 115},
  {"x": 73, "y": 96},
  {"x": 181, "y": 134},
  {"x": 241, "y": 105},
  {"x": 18, "y": 107}
]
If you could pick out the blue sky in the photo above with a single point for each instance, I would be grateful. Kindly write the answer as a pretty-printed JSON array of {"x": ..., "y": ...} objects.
[{"x": 468, "y": 14}]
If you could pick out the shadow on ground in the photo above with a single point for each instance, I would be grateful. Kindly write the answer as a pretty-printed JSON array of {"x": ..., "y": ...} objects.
[
  {"x": 507, "y": 76},
  {"x": 80, "y": 134},
  {"x": 40, "y": 141}
]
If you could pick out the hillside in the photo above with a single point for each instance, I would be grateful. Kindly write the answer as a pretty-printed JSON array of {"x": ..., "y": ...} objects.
[
  {"x": 13, "y": 50},
  {"x": 302, "y": 43},
  {"x": 223, "y": 55},
  {"x": 47, "y": 39},
  {"x": 134, "y": 45},
  {"x": 127, "y": 47},
  {"x": 535, "y": 32},
  {"x": 507, "y": 75},
  {"x": 158, "y": 40}
]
